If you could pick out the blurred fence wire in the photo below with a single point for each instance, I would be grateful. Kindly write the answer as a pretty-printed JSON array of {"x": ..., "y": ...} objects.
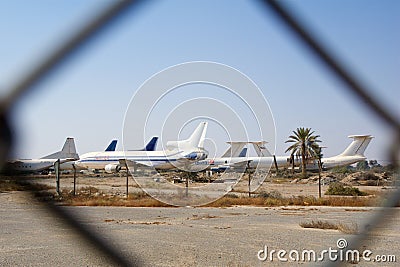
[
  {"x": 55, "y": 59},
  {"x": 362, "y": 94},
  {"x": 115, "y": 11}
]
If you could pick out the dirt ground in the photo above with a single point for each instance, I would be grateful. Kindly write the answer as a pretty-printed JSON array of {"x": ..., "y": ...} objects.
[{"x": 32, "y": 236}]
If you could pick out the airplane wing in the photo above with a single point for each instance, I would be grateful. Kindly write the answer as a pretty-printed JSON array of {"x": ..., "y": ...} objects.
[
  {"x": 15, "y": 161},
  {"x": 133, "y": 164},
  {"x": 67, "y": 160},
  {"x": 241, "y": 165},
  {"x": 178, "y": 163}
]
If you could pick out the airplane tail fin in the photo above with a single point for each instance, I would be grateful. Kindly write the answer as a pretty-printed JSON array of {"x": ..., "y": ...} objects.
[
  {"x": 68, "y": 151},
  {"x": 235, "y": 149},
  {"x": 243, "y": 153},
  {"x": 151, "y": 146},
  {"x": 112, "y": 146},
  {"x": 358, "y": 146},
  {"x": 196, "y": 140},
  {"x": 198, "y": 136},
  {"x": 260, "y": 149}
]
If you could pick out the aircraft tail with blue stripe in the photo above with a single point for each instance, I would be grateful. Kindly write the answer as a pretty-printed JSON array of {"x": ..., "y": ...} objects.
[
  {"x": 151, "y": 146},
  {"x": 112, "y": 145}
]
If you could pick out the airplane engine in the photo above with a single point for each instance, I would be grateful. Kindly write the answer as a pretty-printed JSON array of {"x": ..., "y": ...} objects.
[
  {"x": 221, "y": 168},
  {"x": 172, "y": 145},
  {"x": 112, "y": 168},
  {"x": 196, "y": 156}
]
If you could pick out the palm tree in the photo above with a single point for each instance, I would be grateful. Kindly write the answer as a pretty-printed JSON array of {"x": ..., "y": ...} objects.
[{"x": 305, "y": 146}]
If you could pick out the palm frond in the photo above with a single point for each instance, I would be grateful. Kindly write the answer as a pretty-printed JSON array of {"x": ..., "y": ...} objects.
[{"x": 304, "y": 144}]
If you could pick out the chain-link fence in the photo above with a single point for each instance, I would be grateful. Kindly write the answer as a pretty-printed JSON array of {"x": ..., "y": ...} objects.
[{"x": 115, "y": 11}]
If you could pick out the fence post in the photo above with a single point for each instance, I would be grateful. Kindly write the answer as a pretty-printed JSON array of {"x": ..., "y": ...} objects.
[{"x": 57, "y": 173}]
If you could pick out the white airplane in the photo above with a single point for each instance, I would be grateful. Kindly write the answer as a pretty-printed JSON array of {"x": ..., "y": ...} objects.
[
  {"x": 352, "y": 154},
  {"x": 70, "y": 165},
  {"x": 265, "y": 160},
  {"x": 67, "y": 153},
  {"x": 233, "y": 158},
  {"x": 177, "y": 154}
]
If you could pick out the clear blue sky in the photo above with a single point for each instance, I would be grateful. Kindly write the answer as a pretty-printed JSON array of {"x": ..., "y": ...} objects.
[{"x": 88, "y": 97}]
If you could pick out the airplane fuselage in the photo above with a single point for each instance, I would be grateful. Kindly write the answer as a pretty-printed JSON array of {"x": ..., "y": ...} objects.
[
  {"x": 30, "y": 165},
  {"x": 238, "y": 162},
  {"x": 268, "y": 162},
  {"x": 156, "y": 159},
  {"x": 328, "y": 163},
  {"x": 336, "y": 161}
]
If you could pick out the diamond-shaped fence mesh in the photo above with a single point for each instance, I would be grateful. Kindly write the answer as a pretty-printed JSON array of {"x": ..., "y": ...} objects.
[{"x": 112, "y": 13}]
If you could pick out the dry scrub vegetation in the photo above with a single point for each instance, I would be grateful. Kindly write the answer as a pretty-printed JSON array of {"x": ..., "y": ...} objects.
[
  {"x": 346, "y": 229},
  {"x": 12, "y": 184},
  {"x": 338, "y": 194},
  {"x": 91, "y": 196}
]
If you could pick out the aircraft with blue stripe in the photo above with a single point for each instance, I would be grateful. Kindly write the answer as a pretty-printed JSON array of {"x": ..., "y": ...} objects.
[{"x": 178, "y": 153}]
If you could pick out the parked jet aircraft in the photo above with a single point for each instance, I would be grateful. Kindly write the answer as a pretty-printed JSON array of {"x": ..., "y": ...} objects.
[
  {"x": 178, "y": 153},
  {"x": 352, "y": 154},
  {"x": 67, "y": 153},
  {"x": 69, "y": 165},
  {"x": 111, "y": 147},
  {"x": 232, "y": 159}
]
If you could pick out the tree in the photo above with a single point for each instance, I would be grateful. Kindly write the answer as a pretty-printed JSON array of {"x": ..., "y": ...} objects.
[
  {"x": 305, "y": 146},
  {"x": 362, "y": 165}
]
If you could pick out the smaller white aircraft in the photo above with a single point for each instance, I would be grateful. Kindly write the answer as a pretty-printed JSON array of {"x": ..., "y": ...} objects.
[
  {"x": 67, "y": 153},
  {"x": 352, "y": 154},
  {"x": 233, "y": 158},
  {"x": 70, "y": 165}
]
